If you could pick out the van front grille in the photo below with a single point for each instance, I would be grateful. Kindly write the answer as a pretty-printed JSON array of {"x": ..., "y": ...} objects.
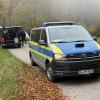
[{"x": 87, "y": 56}]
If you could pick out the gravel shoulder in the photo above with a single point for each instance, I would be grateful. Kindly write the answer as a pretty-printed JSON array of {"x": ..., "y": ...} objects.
[
  {"x": 77, "y": 88},
  {"x": 22, "y": 54}
]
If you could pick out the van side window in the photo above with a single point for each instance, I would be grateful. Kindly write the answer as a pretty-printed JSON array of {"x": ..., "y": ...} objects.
[
  {"x": 44, "y": 36},
  {"x": 35, "y": 36}
]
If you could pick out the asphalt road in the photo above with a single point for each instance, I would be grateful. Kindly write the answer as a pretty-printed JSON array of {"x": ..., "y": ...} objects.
[{"x": 77, "y": 88}]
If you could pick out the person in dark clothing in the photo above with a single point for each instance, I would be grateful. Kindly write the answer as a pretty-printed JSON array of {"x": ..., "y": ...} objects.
[{"x": 22, "y": 36}]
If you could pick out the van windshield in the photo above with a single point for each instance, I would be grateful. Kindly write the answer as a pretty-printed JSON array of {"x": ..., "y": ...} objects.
[{"x": 69, "y": 34}]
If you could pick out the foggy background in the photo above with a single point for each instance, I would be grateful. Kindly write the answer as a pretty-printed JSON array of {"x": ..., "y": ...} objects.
[
  {"x": 31, "y": 13},
  {"x": 86, "y": 11}
]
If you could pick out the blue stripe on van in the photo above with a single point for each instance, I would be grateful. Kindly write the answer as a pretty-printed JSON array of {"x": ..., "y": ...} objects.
[{"x": 41, "y": 50}]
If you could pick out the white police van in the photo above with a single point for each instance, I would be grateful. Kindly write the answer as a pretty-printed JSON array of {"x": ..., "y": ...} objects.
[{"x": 64, "y": 49}]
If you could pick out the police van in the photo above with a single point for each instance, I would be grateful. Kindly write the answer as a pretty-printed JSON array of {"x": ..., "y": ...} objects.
[{"x": 64, "y": 49}]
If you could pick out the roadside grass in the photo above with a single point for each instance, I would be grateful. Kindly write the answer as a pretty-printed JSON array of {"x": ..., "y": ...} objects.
[
  {"x": 19, "y": 81},
  {"x": 10, "y": 69},
  {"x": 99, "y": 40}
]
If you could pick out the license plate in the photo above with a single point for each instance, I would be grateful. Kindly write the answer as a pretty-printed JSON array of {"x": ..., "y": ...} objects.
[
  {"x": 16, "y": 40},
  {"x": 85, "y": 72}
]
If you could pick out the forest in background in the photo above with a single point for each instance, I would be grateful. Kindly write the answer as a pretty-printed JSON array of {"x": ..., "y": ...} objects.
[{"x": 31, "y": 13}]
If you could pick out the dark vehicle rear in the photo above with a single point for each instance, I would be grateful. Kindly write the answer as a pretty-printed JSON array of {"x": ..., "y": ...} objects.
[
  {"x": 11, "y": 36},
  {"x": 1, "y": 38}
]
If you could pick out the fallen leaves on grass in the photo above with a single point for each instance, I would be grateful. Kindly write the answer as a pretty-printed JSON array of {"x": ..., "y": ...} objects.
[{"x": 35, "y": 86}]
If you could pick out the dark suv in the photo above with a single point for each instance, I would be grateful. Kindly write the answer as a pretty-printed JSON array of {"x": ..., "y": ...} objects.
[{"x": 11, "y": 36}]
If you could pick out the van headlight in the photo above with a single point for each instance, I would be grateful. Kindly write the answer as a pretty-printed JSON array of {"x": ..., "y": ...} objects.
[{"x": 59, "y": 56}]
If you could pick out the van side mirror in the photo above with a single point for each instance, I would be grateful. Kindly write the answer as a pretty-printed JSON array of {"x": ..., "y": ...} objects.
[
  {"x": 95, "y": 38},
  {"x": 41, "y": 42}
]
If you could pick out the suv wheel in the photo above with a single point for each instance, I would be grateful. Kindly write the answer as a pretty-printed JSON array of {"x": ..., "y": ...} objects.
[{"x": 50, "y": 73}]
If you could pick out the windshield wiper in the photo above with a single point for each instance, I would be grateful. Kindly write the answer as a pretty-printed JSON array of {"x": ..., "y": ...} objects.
[
  {"x": 79, "y": 41},
  {"x": 60, "y": 42}
]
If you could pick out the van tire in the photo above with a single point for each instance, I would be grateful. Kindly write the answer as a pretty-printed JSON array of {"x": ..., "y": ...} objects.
[{"x": 50, "y": 73}]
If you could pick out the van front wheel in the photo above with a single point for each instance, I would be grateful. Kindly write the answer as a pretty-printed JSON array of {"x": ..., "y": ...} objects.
[{"x": 50, "y": 73}]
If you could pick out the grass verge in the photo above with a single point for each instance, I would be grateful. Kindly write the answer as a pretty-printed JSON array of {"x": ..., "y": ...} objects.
[
  {"x": 98, "y": 40},
  {"x": 10, "y": 69},
  {"x": 22, "y": 82}
]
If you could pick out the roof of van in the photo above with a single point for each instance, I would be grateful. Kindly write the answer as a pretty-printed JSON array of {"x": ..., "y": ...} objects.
[
  {"x": 56, "y": 24},
  {"x": 46, "y": 24},
  {"x": 56, "y": 27}
]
